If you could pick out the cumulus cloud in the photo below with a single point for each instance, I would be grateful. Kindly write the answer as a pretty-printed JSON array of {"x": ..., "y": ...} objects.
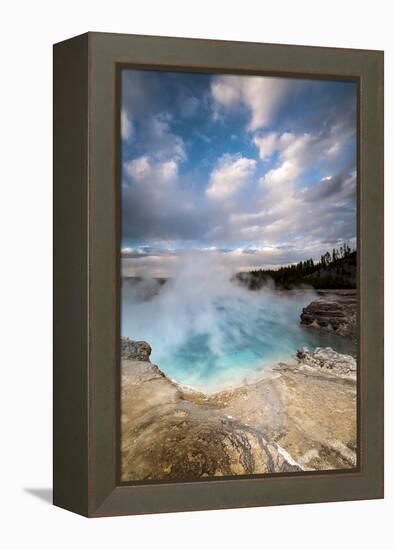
[
  {"x": 161, "y": 140},
  {"x": 297, "y": 151},
  {"x": 257, "y": 188},
  {"x": 260, "y": 95},
  {"x": 285, "y": 173},
  {"x": 146, "y": 118},
  {"x": 266, "y": 144},
  {"x": 146, "y": 169},
  {"x": 126, "y": 126},
  {"x": 230, "y": 175}
]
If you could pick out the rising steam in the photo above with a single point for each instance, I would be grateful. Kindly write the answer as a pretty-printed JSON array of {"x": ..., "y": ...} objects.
[{"x": 207, "y": 330}]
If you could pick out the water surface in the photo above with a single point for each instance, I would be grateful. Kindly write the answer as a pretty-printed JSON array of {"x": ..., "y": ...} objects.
[{"x": 212, "y": 337}]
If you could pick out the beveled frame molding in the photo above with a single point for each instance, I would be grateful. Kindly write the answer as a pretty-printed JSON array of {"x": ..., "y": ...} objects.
[{"x": 86, "y": 273}]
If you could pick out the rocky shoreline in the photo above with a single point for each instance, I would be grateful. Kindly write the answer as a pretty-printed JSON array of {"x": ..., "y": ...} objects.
[
  {"x": 334, "y": 311},
  {"x": 300, "y": 415}
]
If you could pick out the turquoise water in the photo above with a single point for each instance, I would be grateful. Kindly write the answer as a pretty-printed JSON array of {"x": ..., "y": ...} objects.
[{"x": 215, "y": 337}]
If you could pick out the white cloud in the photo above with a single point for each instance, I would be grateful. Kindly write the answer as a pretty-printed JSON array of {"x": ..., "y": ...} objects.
[
  {"x": 146, "y": 169},
  {"x": 287, "y": 172},
  {"x": 226, "y": 90},
  {"x": 126, "y": 126},
  {"x": 266, "y": 144},
  {"x": 231, "y": 174},
  {"x": 260, "y": 94},
  {"x": 296, "y": 153},
  {"x": 237, "y": 207},
  {"x": 334, "y": 148},
  {"x": 166, "y": 151},
  {"x": 128, "y": 251},
  {"x": 299, "y": 148},
  {"x": 162, "y": 142}
]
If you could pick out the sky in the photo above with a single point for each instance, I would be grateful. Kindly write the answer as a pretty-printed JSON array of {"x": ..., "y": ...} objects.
[{"x": 254, "y": 171}]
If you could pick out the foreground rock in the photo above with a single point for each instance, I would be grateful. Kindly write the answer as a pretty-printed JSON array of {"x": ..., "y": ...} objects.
[
  {"x": 130, "y": 349},
  {"x": 333, "y": 312},
  {"x": 168, "y": 432},
  {"x": 297, "y": 417},
  {"x": 329, "y": 361},
  {"x": 308, "y": 410}
]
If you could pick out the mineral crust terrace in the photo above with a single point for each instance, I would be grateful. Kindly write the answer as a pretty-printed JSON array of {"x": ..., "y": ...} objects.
[{"x": 300, "y": 415}]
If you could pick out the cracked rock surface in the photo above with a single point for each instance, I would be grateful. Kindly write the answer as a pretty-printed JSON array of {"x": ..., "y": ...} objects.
[{"x": 296, "y": 417}]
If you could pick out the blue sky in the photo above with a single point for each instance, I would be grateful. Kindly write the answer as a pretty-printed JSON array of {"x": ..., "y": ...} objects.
[{"x": 254, "y": 171}]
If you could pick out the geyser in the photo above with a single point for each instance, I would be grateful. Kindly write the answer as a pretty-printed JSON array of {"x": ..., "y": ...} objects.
[{"x": 207, "y": 331}]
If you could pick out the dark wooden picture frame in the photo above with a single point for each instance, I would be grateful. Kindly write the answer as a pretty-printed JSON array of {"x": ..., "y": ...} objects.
[{"x": 86, "y": 273}]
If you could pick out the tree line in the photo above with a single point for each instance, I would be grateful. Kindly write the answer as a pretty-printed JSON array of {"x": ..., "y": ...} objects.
[{"x": 335, "y": 269}]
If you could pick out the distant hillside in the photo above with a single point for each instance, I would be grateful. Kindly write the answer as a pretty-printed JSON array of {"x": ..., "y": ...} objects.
[{"x": 336, "y": 269}]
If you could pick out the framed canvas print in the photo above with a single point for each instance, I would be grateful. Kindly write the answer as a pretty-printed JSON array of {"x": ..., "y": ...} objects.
[{"x": 218, "y": 274}]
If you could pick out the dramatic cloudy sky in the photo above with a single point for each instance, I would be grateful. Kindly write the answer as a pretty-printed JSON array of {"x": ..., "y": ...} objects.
[{"x": 255, "y": 171}]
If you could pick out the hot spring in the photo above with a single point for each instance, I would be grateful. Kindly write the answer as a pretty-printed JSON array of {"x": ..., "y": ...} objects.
[{"x": 208, "y": 332}]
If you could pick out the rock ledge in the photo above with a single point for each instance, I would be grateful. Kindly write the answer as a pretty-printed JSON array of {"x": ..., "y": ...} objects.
[
  {"x": 334, "y": 313},
  {"x": 329, "y": 360}
]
